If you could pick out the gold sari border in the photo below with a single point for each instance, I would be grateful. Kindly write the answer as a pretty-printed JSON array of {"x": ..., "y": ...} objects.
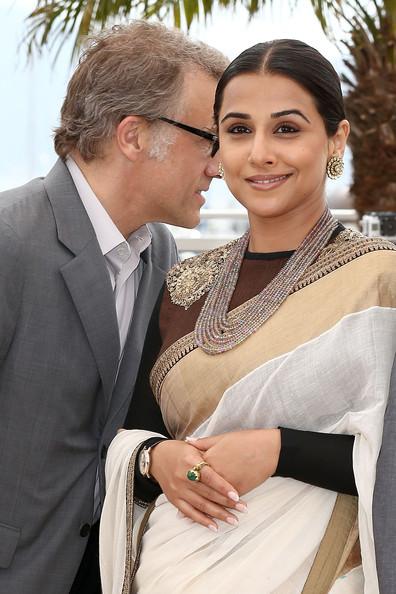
[
  {"x": 337, "y": 543},
  {"x": 131, "y": 563},
  {"x": 346, "y": 247}
]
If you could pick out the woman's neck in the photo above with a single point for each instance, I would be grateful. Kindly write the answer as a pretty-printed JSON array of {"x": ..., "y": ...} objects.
[{"x": 281, "y": 234}]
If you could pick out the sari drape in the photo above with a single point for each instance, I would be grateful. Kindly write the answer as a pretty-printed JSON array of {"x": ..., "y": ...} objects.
[{"x": 321, "y": 363}]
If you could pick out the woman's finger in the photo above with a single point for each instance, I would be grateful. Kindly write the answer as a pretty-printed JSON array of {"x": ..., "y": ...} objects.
[
  {"x": 211, "y": 509},
  {"x": 213, "y": 495},
  {"x": 204, "y": 443},
  {"x": 205, "y": 510},
  {"x": 213, "y": 480},
  {"x": 196, "y": 516}
]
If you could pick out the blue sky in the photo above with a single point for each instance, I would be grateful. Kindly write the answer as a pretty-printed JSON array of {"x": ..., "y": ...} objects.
[{"x": 31, "y": 94}]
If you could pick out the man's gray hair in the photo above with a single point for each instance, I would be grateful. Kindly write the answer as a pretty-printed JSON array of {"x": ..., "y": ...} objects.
[{"x": 135, "y": 69}]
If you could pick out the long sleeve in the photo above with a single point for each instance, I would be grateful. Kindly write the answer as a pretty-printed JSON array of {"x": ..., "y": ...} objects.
[{"x": 321, "y": 459}]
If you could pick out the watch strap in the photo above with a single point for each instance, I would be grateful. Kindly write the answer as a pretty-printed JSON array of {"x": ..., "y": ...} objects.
[{"x": 148, "y": 445}]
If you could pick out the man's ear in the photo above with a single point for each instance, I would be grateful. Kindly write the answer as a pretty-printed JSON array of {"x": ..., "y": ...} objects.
[
  {"x": 338, "y": 141},
  {"x": 131, "y": 136}
]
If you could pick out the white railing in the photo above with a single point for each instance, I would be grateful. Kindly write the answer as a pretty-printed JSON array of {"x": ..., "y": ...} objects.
[{"x": 197, "y": 240}]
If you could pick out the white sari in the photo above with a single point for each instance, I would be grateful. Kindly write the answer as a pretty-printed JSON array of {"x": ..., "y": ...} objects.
[{"x": 337, "y": 382}]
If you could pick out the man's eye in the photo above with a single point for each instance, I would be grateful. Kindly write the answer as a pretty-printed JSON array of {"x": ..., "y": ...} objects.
[
  {"x": 207, "y": 146},
  {"x": 238, "y": 129}
]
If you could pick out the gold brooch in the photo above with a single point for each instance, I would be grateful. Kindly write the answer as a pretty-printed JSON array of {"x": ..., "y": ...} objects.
[{"x": 192, "y": 278}]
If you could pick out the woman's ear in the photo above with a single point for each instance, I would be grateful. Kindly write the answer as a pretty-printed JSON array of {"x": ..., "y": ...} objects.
[
  {"x": 338, "y": 141},
  {"x": 131, "y": 135}
]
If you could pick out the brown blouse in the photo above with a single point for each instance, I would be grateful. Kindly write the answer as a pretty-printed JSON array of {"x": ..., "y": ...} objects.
[{"x": 257, "y": 271}]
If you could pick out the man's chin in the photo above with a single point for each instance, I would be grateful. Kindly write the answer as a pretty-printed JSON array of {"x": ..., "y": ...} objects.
[
  {"x": 184, "y": 219},
  {"x": 191, "y": 225},
  {"x": 188, "y": 222}
]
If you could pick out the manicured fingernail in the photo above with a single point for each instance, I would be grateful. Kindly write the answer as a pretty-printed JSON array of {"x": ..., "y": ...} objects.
[
  {"x": 241, "y": 507},
  {"x": 233, "y": 495},
  {"x": 231, "y": 520},
  {"x": 213, "y": 528},
  {"x": 188, "y": 438},
  {"x": 180, "y": 515}
]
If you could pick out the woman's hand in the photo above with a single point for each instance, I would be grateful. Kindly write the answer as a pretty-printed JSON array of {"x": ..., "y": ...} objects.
[
  {"x": 201, "y": 501},
  {"x": 244, "y": 458}
]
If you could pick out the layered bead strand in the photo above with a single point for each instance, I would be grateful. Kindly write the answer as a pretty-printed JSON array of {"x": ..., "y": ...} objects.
[{"x": 214, "y": 331}]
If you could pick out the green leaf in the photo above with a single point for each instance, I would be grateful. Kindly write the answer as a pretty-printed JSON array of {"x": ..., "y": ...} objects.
[
  {"x": 191, "y": 10},
  {"x": 176, "y": 14}
]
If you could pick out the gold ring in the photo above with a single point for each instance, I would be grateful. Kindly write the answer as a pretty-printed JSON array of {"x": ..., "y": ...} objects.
[{"x": 194, "y": 473}]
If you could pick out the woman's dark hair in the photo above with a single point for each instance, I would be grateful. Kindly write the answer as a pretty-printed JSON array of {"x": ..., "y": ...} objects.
[{"x": 295, "y": 60}]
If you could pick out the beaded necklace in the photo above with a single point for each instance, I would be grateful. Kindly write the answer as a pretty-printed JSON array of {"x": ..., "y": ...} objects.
[{"x": 215, "y": 332}]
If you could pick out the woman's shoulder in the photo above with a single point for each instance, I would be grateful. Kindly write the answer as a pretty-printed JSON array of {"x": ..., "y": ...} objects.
[
  {"x": 189, "y": 280},
  {"x": 351, "y": 237},
  {"x": 351, "y": 244},
  {"x": 352, "y": 248}
]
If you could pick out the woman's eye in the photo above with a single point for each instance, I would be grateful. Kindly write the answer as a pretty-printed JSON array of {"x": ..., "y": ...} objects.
[
  {"x": 238, "y": 129},
  {"x": 286, "y": 129}
]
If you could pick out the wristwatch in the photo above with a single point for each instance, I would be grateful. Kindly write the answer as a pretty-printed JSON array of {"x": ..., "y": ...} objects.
[{"x": 144, "y": 460}]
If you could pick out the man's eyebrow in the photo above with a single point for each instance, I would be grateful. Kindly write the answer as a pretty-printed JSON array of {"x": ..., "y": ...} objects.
[
  {"x": 286, "y": 112},
  {"x": 236, "y": 114}
]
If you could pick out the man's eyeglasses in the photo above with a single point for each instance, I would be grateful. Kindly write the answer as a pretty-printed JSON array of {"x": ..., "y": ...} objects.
[{"x": 197, "y": 131}]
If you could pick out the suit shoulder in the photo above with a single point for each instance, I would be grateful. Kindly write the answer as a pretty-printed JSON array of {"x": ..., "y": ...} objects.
[
  {"x": 15, "y": 196},
  {"x": 192, "y": 278},
  {"x": 161, "y": 234},
  {"x": 23, "y": 208},
  {"x": 163, "y": 250}
]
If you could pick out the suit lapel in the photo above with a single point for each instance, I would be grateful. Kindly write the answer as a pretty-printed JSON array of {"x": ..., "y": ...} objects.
[
  {"x": 85, "y": 274},
  {"x": 89, "y": 285}
]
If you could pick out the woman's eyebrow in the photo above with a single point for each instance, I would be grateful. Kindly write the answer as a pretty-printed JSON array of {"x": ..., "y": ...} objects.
[
  {"x": 286, "y": 112},
  {"x": 236, "y": 114},
  {"x": 276, "y": 114}
]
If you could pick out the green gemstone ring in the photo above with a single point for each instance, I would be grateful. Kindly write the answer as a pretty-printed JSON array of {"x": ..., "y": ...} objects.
[{"x": 194, "y": 473}]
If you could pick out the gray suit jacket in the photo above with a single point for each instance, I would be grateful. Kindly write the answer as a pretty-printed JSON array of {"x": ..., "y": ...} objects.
[
  {"x": 60, "y": 399},
  {"x": 384, "y": 506}
]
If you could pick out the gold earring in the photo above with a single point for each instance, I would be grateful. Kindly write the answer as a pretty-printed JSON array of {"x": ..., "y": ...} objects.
[
  {"x": 335, "y": 167},
  {"x": 221, "y": 170}
]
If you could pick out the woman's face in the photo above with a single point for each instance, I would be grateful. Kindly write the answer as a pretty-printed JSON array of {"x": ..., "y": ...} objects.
[{"x": 274, "y": 146}]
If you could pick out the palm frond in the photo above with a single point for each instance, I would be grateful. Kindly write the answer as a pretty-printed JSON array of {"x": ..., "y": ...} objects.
[
  {"x": 191, "y": 10},
  {"x": 177, "y": 15},
  {"x": 50, "y": 20}
]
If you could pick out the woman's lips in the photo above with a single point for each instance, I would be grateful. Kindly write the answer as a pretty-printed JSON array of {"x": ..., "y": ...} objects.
[{"x": 267, "y": 182}]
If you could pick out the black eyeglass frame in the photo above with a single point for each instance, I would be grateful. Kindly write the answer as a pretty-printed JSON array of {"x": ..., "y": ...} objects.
[{"x": 197, "y": 131}]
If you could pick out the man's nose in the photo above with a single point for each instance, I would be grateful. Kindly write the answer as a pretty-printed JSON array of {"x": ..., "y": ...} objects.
[{"x": 212, "y": 166}]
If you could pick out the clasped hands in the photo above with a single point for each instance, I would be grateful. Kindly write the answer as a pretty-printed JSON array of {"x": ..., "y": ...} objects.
[{"x": 237, "y": 463}]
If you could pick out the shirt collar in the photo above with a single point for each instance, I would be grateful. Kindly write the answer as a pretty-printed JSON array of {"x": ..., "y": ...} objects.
[{"x": 107, "y": 233}]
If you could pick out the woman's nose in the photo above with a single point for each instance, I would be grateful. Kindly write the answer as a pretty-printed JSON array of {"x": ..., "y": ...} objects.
[{"x": 261, "y": 152}]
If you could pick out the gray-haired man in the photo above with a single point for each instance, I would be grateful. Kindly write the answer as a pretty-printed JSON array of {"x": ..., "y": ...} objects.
[{"x": 80, "y": 271}]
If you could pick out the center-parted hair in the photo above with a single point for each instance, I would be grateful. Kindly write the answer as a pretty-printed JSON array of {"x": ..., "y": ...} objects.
[
  {"x": 295, "y": 60},
  {"x": 136, "y": 69}
]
